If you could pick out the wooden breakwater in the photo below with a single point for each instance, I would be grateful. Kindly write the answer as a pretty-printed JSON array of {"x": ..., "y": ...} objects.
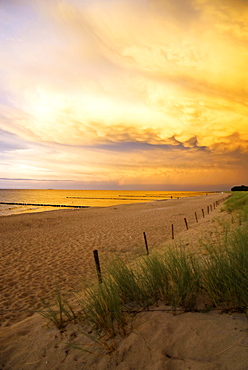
[{"x": 43, "y": 205}]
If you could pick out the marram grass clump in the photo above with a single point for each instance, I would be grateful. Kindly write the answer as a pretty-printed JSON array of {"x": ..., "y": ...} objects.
[
  {"x": 129, "y": 282},
  {"x": 59, "y": 312},
  {"x": 173, "y": 277},
  {"x": 225, "y": 272},
  {"x": 102, "y": 306},
  {"x": 184, "y": 279}
]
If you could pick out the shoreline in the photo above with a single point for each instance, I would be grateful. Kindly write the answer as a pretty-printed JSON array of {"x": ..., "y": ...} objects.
[{"x": 43, "y": 205}]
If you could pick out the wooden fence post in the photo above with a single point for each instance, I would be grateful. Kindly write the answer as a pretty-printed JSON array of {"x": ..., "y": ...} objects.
[
  {"x": 98, "y": 268},
  {"x": 196, "y": 217},
  {"x": 147, "y": 249}
]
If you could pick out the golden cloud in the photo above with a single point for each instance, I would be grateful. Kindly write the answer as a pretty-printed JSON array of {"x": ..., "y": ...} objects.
[{"x": 164, "y": 82}]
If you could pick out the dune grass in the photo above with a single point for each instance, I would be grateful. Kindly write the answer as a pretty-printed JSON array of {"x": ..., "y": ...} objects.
[
  {"x": 238, "y": 202},
  {"x": 225, "y": 272},
  {"x": 102, "y": 306},
  {"x": 129, "y": 283},
  {"x": 174, "y": 277},
  {"x": 171, "y": 277},
  {"x": 59, "y": 312}
]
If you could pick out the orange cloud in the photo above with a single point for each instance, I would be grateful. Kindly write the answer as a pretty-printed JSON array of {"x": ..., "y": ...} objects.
[{"x": 161, "y": 83}]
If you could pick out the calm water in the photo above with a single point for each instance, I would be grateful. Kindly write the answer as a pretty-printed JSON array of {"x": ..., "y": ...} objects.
[{"x": 91, "y": 198}]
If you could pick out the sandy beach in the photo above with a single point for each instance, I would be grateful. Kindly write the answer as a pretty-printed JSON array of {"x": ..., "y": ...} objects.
[{"x": 43, "y": 251}]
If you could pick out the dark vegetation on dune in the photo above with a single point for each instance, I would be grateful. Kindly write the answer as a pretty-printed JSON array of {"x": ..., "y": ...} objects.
[{"x": 240, "y": 188}]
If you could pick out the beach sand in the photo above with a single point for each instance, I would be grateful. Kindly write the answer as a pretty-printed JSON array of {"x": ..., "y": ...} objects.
[{"x": 44, "y": 251}]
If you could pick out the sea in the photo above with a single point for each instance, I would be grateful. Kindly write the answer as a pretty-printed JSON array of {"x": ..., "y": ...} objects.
[{"x": 16, "y": 201}]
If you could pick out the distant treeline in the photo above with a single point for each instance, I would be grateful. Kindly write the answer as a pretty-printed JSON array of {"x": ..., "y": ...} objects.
[{"x": 240, "y": 188}]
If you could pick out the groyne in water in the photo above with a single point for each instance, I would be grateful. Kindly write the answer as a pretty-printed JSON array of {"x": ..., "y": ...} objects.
[{"x": 43, "y": 205}]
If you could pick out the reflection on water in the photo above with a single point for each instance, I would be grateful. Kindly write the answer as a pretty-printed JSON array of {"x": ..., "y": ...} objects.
[{"x": 90, "y": 198}]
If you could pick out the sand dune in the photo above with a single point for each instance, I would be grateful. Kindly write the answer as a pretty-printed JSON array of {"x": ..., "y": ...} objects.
[{"x": 159, "y": 341}]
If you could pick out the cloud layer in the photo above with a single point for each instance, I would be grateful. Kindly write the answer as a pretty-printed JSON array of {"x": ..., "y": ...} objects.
[{"x": 144, "y": 92}]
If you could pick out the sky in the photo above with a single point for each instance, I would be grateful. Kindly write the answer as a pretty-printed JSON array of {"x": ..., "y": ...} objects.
[{"x": 124, "y": 94}]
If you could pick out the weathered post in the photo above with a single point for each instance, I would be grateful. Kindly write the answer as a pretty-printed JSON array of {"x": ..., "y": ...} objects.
[
  {"x": 186, "y": 223},
  {"x": 147, "y": 249},
  {"x": 98, "y": 268},
  {"x": 196, "y": 217}
]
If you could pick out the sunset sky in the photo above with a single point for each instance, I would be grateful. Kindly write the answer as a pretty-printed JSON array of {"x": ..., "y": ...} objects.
[{"x": 124, "y": 94}]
